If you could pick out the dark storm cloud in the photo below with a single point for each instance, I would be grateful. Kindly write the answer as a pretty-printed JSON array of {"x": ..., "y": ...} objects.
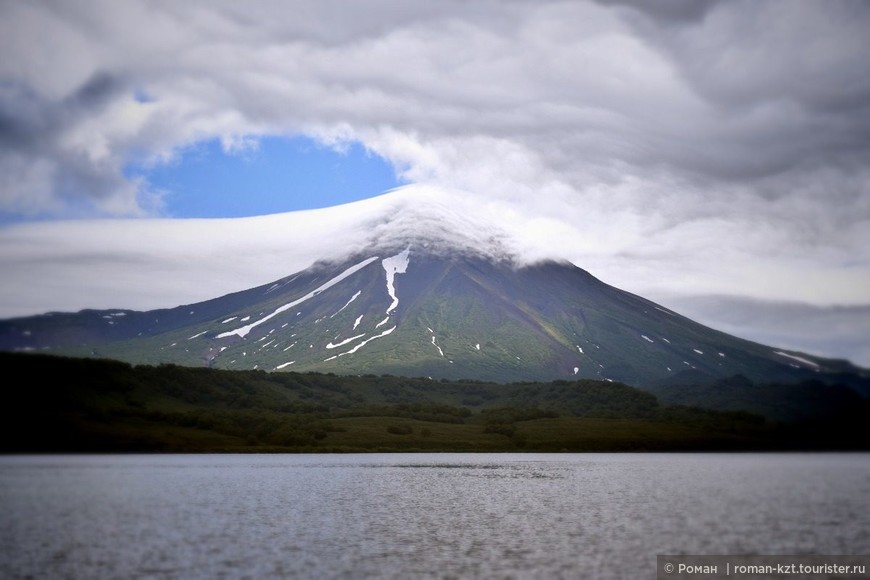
[
  {"x": 29, "y": 120},
  {"x": 31, "y": 128},
  {"x": 96, "y": 91},
  {"x": 668, "y": 11},
  {"x": 787, "y": 83}
]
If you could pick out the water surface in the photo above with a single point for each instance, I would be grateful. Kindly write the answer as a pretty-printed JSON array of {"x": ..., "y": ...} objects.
[{"x": 419, "y": 515}]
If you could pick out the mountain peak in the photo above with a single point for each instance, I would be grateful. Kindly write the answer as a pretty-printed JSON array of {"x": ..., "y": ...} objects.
[{"x": 436, "y": 222}]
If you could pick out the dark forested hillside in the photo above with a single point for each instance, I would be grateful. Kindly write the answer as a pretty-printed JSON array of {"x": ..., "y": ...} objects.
[{"x": 56, "y": 404}]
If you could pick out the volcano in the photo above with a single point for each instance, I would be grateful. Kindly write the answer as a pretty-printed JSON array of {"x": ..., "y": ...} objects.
[{"x": 430, "y": 295}]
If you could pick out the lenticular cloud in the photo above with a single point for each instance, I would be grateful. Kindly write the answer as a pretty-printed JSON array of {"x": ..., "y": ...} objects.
[{"x": 147, "y": 264}]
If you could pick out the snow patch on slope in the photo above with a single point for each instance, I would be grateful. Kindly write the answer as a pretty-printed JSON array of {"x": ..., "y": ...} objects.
[
  {"x": 435, "y": 344},
  {"x": 352, "y": 298},
  {"x": 393, "y": 265},
  {"x": 797, "y": 358},
  {"x": 345, "y": 341},
  {"x": 368, "y": 340},
  {"x": 244, "y": 330}
]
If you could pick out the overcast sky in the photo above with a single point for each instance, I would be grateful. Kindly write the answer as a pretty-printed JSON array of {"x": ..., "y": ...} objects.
[{"x": 676, "y": 149}]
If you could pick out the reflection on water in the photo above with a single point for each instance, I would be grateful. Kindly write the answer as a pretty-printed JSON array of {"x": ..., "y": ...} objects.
[{"x": 426, "y": 515}]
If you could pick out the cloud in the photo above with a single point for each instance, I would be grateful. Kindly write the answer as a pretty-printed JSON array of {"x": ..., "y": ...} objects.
[
  {"x": 837, "y": 332},
  {"x": 159, "y": 263},
  {"x": 710, "y": 94},
  {"x": 679, "y": 146},
  {"x": 668, "y": 12}
]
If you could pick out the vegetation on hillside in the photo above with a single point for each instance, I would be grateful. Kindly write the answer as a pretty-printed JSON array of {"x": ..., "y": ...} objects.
[{"x": 56, "y": 404}]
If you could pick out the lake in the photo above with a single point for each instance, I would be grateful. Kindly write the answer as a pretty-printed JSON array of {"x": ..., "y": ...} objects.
[{"x": 419, "y": 515}]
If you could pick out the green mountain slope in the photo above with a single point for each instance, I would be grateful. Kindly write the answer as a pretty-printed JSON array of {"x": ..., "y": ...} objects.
[{"x": 423, "y": 313}]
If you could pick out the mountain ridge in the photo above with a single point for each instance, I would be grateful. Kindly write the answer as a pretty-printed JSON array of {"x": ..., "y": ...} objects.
[{"x": 439, "y": 311}]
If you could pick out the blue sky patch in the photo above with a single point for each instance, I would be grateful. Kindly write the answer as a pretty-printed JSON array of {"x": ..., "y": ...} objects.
[{"x": 281, "y": 174}]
